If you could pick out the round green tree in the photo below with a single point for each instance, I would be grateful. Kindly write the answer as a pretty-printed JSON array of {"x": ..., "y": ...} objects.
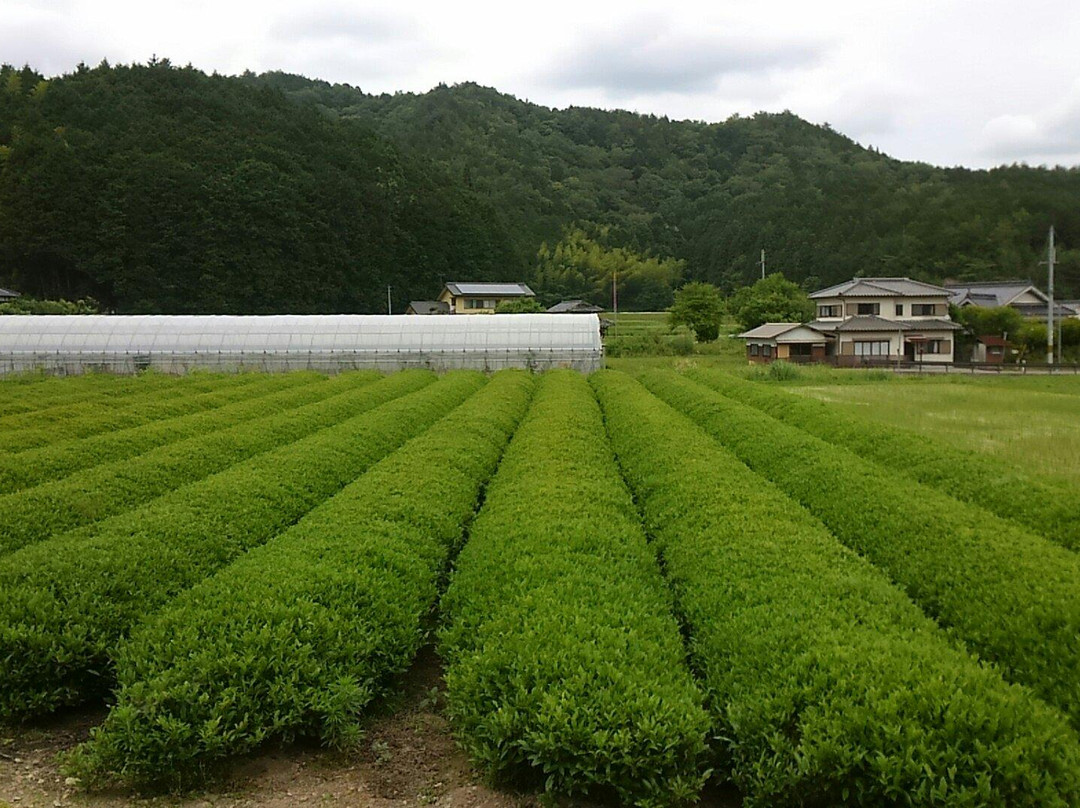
[
  {"x": 773, "y": 299},
  {"x": 698, "y": 306}
]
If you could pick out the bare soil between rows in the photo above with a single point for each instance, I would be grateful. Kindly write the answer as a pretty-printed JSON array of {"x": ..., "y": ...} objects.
[{"x": 407, "y": 758}]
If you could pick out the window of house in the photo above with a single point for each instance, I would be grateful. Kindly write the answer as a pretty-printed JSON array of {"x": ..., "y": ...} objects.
[
  {"x": 899, "y": 309},
  {"x": 754, "y": 349},
  {"x": 490, "y": 304},
  {"x": 766, "y": 350},
  {"x": 932, "y": 346},
  {"x": 801, "y": 349},
  {"x": 872, "y": 348},
  {"x": 828, "y": 311},
  {"x": 869, "y": 308},
  {"x": 473, "y": 303},
  {"x": 922, "y": 309}
]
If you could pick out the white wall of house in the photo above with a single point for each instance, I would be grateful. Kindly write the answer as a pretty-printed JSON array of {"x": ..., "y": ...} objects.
[
  {"x": 938, "y": 346},
  {"x": 889, "y": 308}
]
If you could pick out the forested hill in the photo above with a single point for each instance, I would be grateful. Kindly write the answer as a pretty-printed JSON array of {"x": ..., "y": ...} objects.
[
  {"x": 163, "y": 189},
  {"x": 824, "y": 207},
  {"x": 157, "y": 189}
]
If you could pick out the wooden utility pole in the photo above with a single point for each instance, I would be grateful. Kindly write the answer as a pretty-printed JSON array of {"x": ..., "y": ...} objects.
[
  {"x": 389, "y": 308},
  {"x": 762, "y": 262},
  {"x": 615, "y": 297},
  {"x": 1050, "y": 258}
]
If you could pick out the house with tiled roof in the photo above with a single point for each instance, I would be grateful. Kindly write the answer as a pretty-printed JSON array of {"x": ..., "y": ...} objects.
[
  {"x": 1022, "y": 295},
  {"x": 886, "y": 319},
  {"x": 481, "y": 298}
]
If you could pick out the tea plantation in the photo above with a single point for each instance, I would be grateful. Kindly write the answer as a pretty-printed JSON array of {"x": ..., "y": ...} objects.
[{"x": 641, "y": 586}]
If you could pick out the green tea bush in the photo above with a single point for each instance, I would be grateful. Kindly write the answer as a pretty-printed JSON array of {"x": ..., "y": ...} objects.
[
  {"x": 1012, "y": 596},
  {"x": 65, "y": 603},
  {"x": 32, "y": 391},
  {"x": 297, "y": 636},
  {"x": 1044, "y": 507},
  {"x": 96, "y": 493},
  {"x": 58, "y": 460},
  {"x": 564, "y": 664},
  {"x": 83, "y": 419},
  {"x": 827, "y": 685}
]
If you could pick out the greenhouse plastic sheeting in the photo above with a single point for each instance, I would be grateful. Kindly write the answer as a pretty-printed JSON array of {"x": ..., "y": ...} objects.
[{"x": 70, "y": 343}]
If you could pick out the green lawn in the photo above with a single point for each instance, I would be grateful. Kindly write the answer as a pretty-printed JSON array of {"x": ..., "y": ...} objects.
[{"x": 1034, "y": 423}]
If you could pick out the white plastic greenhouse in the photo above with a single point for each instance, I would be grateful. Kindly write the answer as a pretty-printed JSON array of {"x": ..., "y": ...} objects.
[{"x": 176, "y": 343}]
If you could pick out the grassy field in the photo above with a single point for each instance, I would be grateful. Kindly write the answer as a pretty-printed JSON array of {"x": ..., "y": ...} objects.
[
  {"x": 1038, "y": 429},
  {"x": 1031, "y": 420}
]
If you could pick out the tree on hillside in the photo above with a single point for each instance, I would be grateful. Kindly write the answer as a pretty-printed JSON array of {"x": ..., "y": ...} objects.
[
  {"x": 582, "y": 267},
  {"x": 699, "y": 306},
  {"x": 773, "y": 299},
  {"x": 523, "y": 305}
]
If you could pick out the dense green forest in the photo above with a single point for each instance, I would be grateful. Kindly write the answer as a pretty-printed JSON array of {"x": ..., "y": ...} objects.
[{"x": 156, "y": 188}]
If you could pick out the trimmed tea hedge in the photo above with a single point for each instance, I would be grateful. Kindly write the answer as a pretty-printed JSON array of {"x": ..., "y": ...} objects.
[
  {"x": 827, "y": 685},
  {"x": 66, "y": 602},
  {"x": 1038, "y": 504},
  {"x": 97, "y": 493},
  {"x": 1014, "y": 597},
  {"x": 296, "y": 637},
  {"x": 59, "y": 460},
  {"x": 564, "y": 662},
  {"x": 26, "y": 394},
  {"x": 88, "y": 418}
]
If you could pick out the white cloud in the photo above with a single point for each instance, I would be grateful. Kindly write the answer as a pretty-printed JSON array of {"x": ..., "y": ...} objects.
[{"x": 650, "y": 55}]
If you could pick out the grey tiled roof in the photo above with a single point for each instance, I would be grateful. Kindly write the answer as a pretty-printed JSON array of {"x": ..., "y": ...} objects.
[
  {"x": 493, "y": 289},
  {"x": 574, "y": 307},
  {"x": 769, "y": 330},
  {"x": 873, "y": 323},
  {"x": 429, "y": 307},
  {"x": 7, "y": 294},
  {"x": 879, "y": 287},
  {"x": 990, "y": 293}
]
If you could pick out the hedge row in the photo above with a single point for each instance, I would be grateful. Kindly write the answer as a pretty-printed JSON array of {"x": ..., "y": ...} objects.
[
  {"x": 1014, "y": 597},
  {"x": 565, "y": 665},
  {"x": 124, "y": 412},
  {"x": 1050, "y": 509},
  {"x": 299, "y": 635},
  {"x": 23, "y": 394},
  {"x": 96, "y": 493},
  {"x": 65, "y": 603},
  {"x": 827, "y": 685},
  {"x": 59, "y": 460}
]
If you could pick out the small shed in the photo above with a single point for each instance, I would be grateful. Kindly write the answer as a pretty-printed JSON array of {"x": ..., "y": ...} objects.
[
  {"x": 990, "y": 349},
  {"x": 793, "y": 342}
]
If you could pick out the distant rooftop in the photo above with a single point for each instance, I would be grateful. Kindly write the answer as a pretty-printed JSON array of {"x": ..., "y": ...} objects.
[
  {"x": 492, "y": 289},
  {"x": 575, "y": 307},
  {"x": 879, "y": 287},
  {"x": 8, "y": 294},
  {"x": 991, "y": 293}
]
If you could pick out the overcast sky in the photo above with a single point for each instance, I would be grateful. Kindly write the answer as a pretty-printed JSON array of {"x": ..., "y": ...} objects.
[{"x": 968, "y": 82}]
